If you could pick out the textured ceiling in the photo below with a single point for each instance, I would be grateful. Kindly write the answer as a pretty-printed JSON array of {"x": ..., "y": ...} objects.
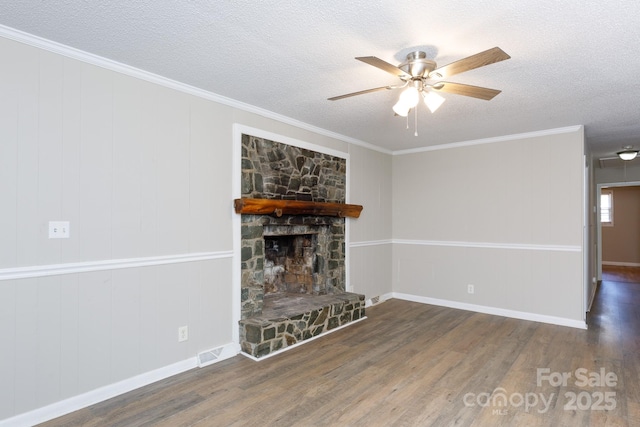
[{"x": 573, "y": 62}]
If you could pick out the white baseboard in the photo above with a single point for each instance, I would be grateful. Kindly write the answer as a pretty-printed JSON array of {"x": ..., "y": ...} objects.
[
  {"x": 378, "y": 299},
  {"x": 621, "y": 264},
  {"x": 493, "y": 310},
  {"x": 101, "y": 394}
]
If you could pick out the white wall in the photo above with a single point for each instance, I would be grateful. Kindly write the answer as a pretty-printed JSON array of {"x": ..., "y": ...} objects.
[
  {"x": 629, "y": 174},
  {"x": 143, "y": 173},
  {"x": 131, "y": 166},
  {"x": 371, "y": 249},
  {"x": 504, "y": 216}
]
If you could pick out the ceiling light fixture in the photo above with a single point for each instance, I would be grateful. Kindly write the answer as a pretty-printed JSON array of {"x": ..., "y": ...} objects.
[
  {"x": 433, "y": 100},
  {"x": 627, "y": 153},
  {"x": 410, "y": 98}
]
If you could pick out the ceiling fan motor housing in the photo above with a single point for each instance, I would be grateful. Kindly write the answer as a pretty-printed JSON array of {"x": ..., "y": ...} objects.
[{"x": 417, "y": 65}]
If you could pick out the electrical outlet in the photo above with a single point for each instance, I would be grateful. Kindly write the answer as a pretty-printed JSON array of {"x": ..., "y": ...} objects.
[
  {"x": 58, "y": 229},
  {"x": 183, "y": 333},
  {"x": 470, "y": 289}
]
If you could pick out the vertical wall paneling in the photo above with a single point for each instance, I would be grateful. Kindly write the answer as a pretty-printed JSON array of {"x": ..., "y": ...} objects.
[
  {"x": 70, "y": 158},
  {"x": 149, "y": 170},
  {"x": 210, "y": 188},
  {"x": 216, "y": 304},
  {"x": 49, "y": 331},
  {"x": 8, "y": 330},
  {"x": 126, "y": 324},
  {"x": 202, "y": 305},
  {"x": 140, "y": 171},
  {"x": 27, "y": 84},
  {"x": 149, "y": 355},
  {"x": 25, "y": 347},
  {"x": 50, "y": 138},
  {"x": 172, "y": 143},
  {"x": 193, "y": 317},
  {"x": 370, "y": 253},
  {"x": 69, "y": 335},
  {"x": 201, "y": 156},
  {"x": 94, "y": 334},
  {"x": 371, "y": 269},
  {"x": 505, "y": 217},
  {"x": 96, "y": 164},
  {"x": 9, "y": 102},
  {"x": 127, "y": 161},
  {"x": 173, "y": 304}
]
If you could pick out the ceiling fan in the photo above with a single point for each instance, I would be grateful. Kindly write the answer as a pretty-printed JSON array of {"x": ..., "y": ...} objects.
[{"x": 422, "y": 77}]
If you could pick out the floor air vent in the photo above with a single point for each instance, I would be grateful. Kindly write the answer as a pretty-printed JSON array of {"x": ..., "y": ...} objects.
[{"x": 208, "y": 357}]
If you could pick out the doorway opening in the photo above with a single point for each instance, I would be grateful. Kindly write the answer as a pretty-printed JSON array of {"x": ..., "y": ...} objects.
[{"x": 618, "y": 226}]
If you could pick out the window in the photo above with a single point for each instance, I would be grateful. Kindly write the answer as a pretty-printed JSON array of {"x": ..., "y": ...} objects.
[{"x": 606, "y": 208}]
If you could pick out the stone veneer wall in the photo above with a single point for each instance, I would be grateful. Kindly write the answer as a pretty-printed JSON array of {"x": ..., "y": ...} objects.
[{"x": 272, "y": 170}]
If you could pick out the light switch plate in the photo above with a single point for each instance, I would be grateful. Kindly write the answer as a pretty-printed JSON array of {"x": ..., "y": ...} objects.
[{"x": 58, "y": 229}]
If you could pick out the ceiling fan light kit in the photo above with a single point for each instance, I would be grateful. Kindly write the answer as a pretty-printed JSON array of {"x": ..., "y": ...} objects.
[
  {"x": 409, "y": 98},
  {"x": 627, "y": 153},
  {"x": 433, "y": 100},
  {"x": 421, "y": 78}
]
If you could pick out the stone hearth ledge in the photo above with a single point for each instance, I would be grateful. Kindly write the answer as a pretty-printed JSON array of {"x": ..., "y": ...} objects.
[{"x": 290, "y": 319}]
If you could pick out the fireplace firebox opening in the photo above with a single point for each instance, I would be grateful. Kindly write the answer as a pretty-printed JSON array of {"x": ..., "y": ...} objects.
[{"x": 290, "y": 264}]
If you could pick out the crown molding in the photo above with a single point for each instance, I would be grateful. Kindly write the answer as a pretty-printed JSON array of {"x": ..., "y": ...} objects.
[
  {"x": 80, "y": 55},
  {"x": 546, "y": 132}
]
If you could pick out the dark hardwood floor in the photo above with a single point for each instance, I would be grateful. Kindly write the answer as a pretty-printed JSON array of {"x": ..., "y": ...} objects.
[
  {"x": 412, "y": 364},
  {"x": 614, "y": 273}
]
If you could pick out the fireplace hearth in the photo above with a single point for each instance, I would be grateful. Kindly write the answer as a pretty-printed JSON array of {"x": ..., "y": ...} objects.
[{"x": 288, "y": 319}]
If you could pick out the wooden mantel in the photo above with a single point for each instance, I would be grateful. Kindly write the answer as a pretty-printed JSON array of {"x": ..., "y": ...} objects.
[{"x": 295, "y": 207}]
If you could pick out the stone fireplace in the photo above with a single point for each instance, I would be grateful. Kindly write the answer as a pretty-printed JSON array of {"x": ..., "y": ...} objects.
[{"x": 293, "y": 265}]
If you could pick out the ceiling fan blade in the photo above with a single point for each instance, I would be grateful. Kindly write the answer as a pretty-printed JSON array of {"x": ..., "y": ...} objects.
[
  {"x": 466, "y": 90},
  {"x": 362, "y": 92},
  {"x": 469, "y": 63},
  {"x": 384, "y": 66}
]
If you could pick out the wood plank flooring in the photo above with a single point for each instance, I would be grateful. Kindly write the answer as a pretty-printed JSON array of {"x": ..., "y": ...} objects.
[
  {"x": 617, "y": 273},
  {"x": 411, "y": 364}
]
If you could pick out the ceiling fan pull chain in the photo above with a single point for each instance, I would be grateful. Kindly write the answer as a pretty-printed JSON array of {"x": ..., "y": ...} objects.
[{"x": 415, "y": 120}]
